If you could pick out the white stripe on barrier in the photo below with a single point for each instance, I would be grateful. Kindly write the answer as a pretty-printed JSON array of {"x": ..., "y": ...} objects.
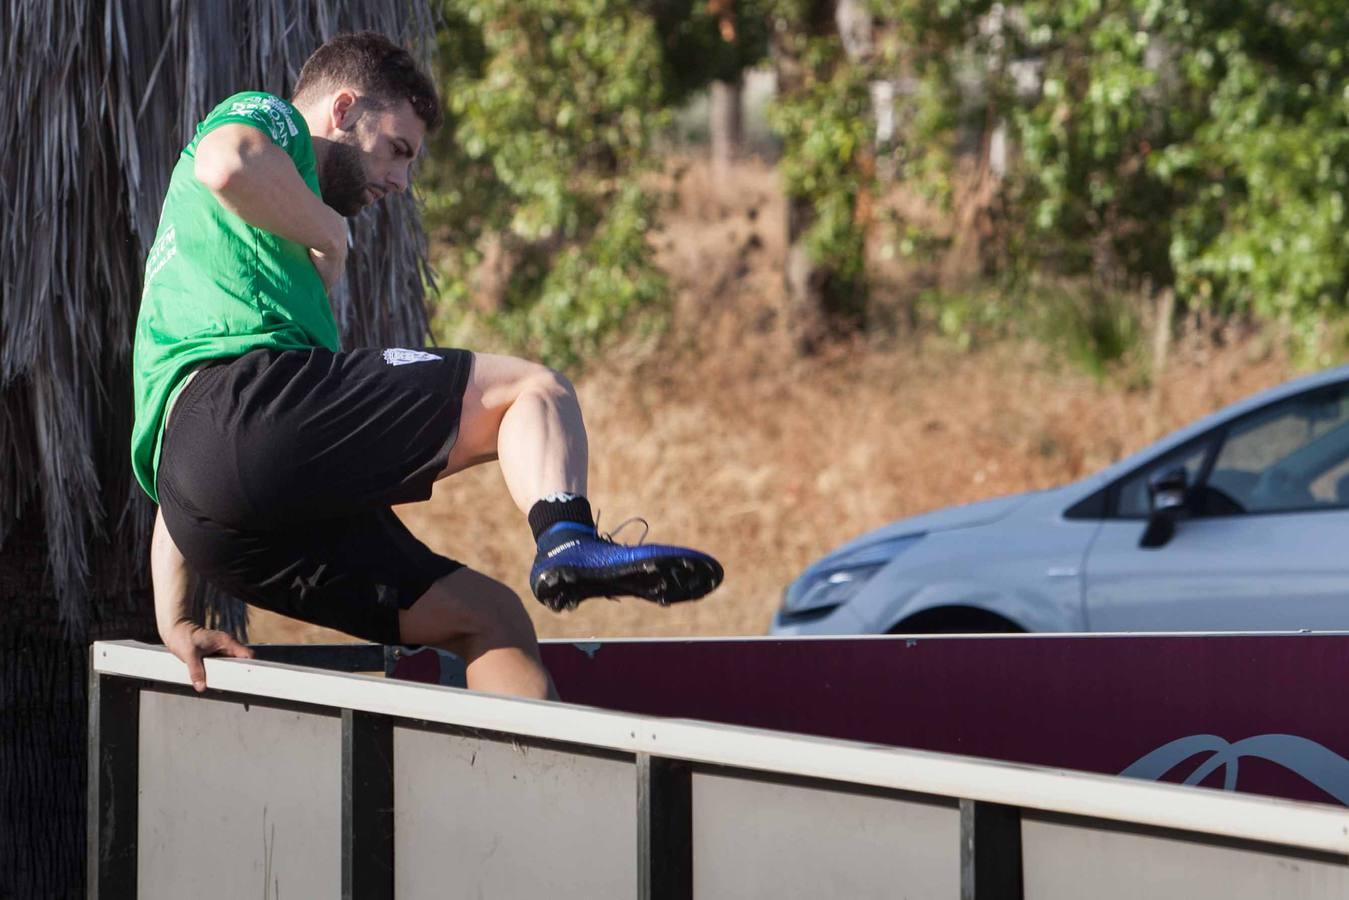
[{"x": 1306, "y": 825}]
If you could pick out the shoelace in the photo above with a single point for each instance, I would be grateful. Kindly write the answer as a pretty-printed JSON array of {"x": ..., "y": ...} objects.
[{"x": 610, "y": 535}]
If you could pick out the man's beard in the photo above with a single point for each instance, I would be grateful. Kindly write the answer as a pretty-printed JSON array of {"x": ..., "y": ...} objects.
[{"x": 342, "y": 179}]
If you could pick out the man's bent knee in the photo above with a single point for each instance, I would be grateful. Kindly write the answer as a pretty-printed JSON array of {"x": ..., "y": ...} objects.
[
  {"x": 551, "y": 382},
  {"x": 496, "y": 382},
  {"x": 532, "y": 379}
]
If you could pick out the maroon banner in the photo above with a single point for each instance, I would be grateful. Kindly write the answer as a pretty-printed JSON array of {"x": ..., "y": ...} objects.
[{"x": 1263, "y": 714}]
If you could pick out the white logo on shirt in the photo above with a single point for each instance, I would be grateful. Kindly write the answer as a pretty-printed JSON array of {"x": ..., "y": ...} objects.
[
  {"x": 397, "y": 356},
  {"x": 271, "y": 113},
  {"x": 164, "y": 249}
]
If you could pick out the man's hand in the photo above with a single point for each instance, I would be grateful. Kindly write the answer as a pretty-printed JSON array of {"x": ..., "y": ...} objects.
[{"x": 191, "y": 643}]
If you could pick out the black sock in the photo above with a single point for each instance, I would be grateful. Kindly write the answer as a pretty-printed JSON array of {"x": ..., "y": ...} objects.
[{"x": 559, "y": 508}]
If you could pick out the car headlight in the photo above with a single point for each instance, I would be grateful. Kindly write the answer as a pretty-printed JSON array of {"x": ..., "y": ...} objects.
[{"x": 837, "y": 582}]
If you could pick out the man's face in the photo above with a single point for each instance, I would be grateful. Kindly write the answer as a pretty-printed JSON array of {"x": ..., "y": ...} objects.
[{"x": 370, "y": 154}]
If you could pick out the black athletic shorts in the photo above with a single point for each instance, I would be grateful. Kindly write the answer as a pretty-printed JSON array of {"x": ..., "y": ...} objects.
[{"x": 279, "y": 467}]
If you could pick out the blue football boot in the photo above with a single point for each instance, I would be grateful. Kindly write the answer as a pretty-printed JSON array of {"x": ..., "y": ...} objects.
[{"x": 575, "y": 562}]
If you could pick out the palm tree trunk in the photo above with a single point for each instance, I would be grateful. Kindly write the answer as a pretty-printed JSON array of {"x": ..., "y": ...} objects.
[{"x": 43, "y": 678}]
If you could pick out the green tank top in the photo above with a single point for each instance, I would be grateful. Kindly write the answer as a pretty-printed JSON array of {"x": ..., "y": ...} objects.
[{"x": 215, "y": 286}]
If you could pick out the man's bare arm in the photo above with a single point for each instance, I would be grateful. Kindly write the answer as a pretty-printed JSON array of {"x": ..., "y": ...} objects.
[
  {"x": 257, "y": 181},
  {"x": 184, "y": 638}
]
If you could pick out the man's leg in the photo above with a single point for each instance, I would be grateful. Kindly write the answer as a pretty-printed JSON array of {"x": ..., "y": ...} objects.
[
  {"x": 527, "y": 416},
  {"x": 483, "y": 622}
]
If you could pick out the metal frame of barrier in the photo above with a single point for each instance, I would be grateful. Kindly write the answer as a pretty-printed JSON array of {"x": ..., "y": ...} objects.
[{"x": 993, "y": 801}]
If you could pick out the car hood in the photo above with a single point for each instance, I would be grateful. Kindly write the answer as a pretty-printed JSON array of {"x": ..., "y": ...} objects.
[{"x": 949, "y": 519}]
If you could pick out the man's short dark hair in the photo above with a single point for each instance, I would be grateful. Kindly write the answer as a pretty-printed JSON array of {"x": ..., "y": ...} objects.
[{"x": 379, "y": 68}]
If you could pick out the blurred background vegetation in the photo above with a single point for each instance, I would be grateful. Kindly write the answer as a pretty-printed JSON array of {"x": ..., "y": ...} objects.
[{"x": 1084, "y": 172}]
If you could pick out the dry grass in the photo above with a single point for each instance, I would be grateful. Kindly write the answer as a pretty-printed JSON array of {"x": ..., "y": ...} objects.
[{"x": 724, "y": 441}]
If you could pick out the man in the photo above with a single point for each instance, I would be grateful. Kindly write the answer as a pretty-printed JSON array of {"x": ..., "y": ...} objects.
[{"x": 275, "y": 456}]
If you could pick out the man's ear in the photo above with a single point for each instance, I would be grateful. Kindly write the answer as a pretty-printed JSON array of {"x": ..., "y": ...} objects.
[{"x": 342, "y": 112}]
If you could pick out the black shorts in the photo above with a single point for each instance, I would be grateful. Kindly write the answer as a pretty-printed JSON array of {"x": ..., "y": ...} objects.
[{"x": 279, "y": 468}]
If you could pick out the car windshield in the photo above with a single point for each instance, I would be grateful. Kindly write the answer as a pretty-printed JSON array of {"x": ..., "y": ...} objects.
[{"x": 1292, "y": 456}]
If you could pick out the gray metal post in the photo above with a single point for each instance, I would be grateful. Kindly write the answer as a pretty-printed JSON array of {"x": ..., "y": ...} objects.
[
  {"x": 990, "y": 851},
  {"x": 664, "y": 829},
  {"x": 113, "y": 786},
  {"x": 367, "y": 806}
]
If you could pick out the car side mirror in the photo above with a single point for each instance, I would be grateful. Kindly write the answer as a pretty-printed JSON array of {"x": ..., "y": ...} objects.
[{"x": 1166, "y": 505}]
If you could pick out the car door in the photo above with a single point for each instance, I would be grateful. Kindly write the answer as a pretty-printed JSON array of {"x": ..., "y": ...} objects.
[{"x": 1265, "y": 544}]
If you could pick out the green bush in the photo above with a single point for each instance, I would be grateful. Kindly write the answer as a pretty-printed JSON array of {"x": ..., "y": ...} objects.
[
  {"x": 1095, "y": 330},
  {"x": 551, "y": 109},
  {"x": 1189, "y": 146},
  {"x": 828, "y": 134},
  {"x": 1195, "y": 145}
]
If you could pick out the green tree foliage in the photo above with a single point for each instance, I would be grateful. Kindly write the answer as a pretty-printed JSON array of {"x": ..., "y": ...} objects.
[
  {"x": 833, "y": 164},
  {"x": 538, "y": 187},
  {"x": 1090, "y": 199},
  {"x": 1187, "y": 146},
  {"x": 708, "y": 40},
  {"x": 1266, "y": 171},
  {"x": 823, "y": 115},
  {"x": 1192, "y": 147},
  {"x": 553, "y": 108},
  {"x": 1196, "y": 145}
]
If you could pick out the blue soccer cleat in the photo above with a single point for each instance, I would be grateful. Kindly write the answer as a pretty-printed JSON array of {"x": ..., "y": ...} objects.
[{"x": 575, "y": 562}]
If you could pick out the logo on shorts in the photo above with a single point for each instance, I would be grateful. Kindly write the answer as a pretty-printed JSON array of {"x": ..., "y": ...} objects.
[
  {"x": 397, "y": 356},
  {"x": 305, "y": 585}
]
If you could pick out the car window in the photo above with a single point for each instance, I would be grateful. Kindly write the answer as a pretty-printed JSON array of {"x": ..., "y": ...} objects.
[
  {"x": 1294, "y": 455},
  {"x": 1133, "y": 499}
]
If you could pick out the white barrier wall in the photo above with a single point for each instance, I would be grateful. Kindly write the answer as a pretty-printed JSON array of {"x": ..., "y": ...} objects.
[
  {"x": 820, "y": 841},
  {"x": 286, "y": 781},
  {"x": 237, "y": 800},
  {"x": 524, "y": 820}
]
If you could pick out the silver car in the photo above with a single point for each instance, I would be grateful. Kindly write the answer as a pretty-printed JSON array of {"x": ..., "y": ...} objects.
[{"x": 1238, "y": 522}]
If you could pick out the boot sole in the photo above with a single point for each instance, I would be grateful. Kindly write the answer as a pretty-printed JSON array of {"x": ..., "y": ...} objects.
[{"x": 659, "y": 580}]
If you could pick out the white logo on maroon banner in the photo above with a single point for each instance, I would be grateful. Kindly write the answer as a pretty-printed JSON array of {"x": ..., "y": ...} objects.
[
  {"x": 1321, "y": 766},
  {"x": 397, "y": 356}
]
